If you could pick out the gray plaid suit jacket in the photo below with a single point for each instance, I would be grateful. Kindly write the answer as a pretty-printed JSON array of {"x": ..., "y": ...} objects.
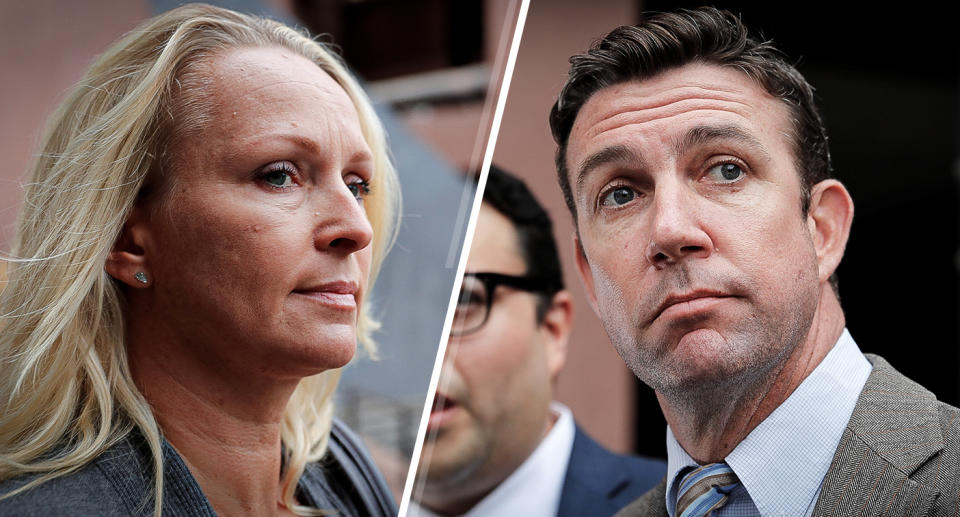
[{"x": 899, "y": 455}]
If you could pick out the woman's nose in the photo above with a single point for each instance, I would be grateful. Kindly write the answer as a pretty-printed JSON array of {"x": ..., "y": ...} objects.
[{"x": 342, "y": 223}]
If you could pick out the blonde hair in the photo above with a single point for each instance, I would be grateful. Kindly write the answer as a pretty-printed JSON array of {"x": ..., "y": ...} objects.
[{"x": 66, "y": 392}]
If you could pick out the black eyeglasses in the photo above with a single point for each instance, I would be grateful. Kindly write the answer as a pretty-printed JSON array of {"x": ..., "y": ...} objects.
[{"x": 476, "y": 297}]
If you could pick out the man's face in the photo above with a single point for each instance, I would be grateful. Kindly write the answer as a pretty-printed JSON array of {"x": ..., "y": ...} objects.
[
  {"x": 698, "y": 258},
  {"x": 493, "y": 397}
]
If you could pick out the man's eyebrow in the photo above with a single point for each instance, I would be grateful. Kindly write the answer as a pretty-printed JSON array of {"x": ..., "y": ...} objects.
[
  {"x": 607, "y": 155},
  {"x": 700, "y": 135}
]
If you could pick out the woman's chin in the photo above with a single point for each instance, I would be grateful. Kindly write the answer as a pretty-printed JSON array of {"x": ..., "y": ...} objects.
[
  {"x": 328, "y": 350},
  {"x": 343, "y": 354}
]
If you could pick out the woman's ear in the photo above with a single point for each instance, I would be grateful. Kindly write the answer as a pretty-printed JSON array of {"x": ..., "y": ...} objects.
[
  {"x": 127, "y": 261},
  {"x": 828, "y": 218}
]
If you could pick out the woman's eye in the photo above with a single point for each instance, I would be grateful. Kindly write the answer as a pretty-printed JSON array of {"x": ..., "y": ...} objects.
[
  {"x": 726, "y": 172},
  {"x": 360, "y": 189},
  {"x": 618, "y": 197},
  {"x": 278, "y": 179},
  {"x": 279, "y": 175}
]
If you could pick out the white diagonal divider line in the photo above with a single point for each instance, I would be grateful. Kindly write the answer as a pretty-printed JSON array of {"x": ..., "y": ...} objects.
[{"x": 468, "y": 237}]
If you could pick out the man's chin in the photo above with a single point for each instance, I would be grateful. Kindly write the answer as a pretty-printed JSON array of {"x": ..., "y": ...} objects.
[
  {"x": 701, "y": 359},
  {"x": 451, "y": 458}
]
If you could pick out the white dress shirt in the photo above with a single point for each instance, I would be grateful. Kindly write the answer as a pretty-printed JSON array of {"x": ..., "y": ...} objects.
[
  {"x": 783, "y": 461},
  {"x": 533, "y": 490}
]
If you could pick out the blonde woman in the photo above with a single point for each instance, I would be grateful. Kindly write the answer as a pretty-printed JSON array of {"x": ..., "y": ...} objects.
[{"x": 208, "y": 211}]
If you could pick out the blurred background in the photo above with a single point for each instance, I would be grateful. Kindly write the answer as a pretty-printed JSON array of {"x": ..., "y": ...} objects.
[
  {"x": 887, "y": 84},
  {"x": 429, "y": 65}
]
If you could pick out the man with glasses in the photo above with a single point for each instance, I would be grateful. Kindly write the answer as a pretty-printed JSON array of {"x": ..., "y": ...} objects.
[{"x": 496, "y": 444}]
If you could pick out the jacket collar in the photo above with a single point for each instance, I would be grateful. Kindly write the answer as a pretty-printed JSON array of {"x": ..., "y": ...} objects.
[{"x": 895, "y": 428}]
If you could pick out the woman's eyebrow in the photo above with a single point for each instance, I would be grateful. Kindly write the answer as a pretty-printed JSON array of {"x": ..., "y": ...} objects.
[{"x": 362, "y": 154}]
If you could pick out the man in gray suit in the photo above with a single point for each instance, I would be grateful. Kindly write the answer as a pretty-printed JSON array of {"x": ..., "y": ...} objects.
[{"x": 696, "y": 167}]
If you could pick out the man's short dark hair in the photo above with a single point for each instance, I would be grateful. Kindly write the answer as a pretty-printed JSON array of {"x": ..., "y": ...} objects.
[
  {"x": 669, "y": 40},
  {"x": 509, "y": 195}
]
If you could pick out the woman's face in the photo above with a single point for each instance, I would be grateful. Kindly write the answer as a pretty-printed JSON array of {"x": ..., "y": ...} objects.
[{"x": 260, "y": 249}]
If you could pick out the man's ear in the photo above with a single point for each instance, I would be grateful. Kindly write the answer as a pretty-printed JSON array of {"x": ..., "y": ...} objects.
[
  {"x": 127, "y": 261},
  {"x": 586, "y": 274},
  {"x": 555, "y": 327},
  {"x": 829, "y": 218}
]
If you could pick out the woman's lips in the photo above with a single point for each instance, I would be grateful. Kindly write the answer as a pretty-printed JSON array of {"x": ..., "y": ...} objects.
[{"x": 336, "y": 295}]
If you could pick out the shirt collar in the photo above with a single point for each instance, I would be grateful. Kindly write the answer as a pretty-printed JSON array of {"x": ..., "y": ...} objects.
[
  {"x": 533, "y": 489},
  {"x": 802, "y": 434},
  {"x": 677, "y": 460}
]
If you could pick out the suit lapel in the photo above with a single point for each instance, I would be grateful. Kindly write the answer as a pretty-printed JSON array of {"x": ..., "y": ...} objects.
[
  {"x": 651, "y": 504},
  {"x": 584, "y": 490},
  {"x": 895, "y": 428}
]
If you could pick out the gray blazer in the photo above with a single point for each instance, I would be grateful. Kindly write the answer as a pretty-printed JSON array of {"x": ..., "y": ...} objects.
[
  {"x": 118, "y": 483},
  {"x": 899, "y": 455}
]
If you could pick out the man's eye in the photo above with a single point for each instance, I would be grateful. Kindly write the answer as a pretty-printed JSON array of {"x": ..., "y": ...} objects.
[
  {"x": 470, "y": 298},
  {"x": 618, "y": 197},
  {"x": 726, "y": 173}
]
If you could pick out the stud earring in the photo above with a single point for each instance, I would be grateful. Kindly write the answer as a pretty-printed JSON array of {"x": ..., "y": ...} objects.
[{"x": 141, "y": 277}]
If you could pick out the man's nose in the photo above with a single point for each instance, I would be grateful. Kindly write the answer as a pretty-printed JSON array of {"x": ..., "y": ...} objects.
[
  {"x": 341, "y": 222},
  {"x": 677, "y": 231}
]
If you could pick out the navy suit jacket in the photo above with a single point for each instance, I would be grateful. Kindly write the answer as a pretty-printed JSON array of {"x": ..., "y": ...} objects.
[{"x": 599, "y": 482}]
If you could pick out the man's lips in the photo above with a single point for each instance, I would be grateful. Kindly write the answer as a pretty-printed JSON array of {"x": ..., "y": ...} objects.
[
  {"x": 441, "y": 411},
  {"x": 339, "y": 294},
  {"x": 442, "y": 402},
  {"x": 682, "y": 305}
]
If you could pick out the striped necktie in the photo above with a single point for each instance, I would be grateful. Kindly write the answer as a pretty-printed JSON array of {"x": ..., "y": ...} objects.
[{"x": 705, "y": 489}]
